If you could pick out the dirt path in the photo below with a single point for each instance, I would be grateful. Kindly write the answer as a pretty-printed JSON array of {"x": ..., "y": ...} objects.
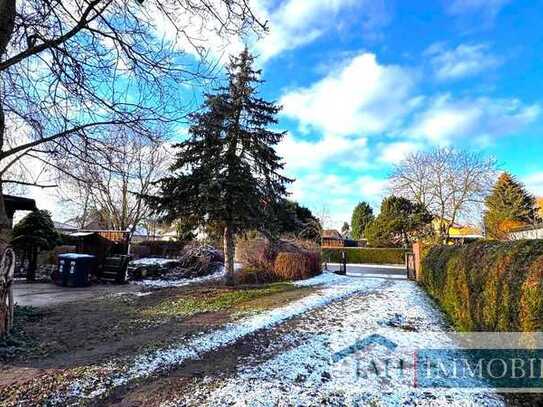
[{"x": 292, "y": 362}]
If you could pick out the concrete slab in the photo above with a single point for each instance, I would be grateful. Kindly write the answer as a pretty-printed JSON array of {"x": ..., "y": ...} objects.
[{"x": 47, "y": 294}]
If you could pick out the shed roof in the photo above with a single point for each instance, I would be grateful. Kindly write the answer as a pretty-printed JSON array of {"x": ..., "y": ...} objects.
[{"x": 18, "y": 203}]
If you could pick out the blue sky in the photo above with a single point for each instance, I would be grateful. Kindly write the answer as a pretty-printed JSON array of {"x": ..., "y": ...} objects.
[{"x": 363, "y": 83}]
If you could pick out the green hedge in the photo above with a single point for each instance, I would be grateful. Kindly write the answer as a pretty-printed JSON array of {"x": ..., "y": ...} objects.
[
  {"x": 365, "y": 255},
  {"x": 488, "y": 286}
]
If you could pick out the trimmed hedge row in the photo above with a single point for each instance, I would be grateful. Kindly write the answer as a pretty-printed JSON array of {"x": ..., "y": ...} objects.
[
  {"x": 488, "y": 286},
  {"x": 365, "y": 255}
]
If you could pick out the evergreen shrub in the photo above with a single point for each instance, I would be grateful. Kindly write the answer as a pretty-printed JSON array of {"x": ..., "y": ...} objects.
[{"x": 488, "y": 285}]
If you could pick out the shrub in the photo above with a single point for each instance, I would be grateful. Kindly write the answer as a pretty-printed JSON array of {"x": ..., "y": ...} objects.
[
  {"x": 258, "y": 258},
  {"x": 364, "y": 255},
  {"x": 250, "y": 275},
  {"x": 296, "y": 266},
  {"x": 314, "y": 262},
  {"x": 255, "y": 254},
  {"x": 488, "y": 286}
]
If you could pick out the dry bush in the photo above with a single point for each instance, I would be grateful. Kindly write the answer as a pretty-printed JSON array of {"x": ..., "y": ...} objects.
[
  {"x": 297, "y": 266},
  {"x": 255, "y": 254},
  {"x": 259, "y": 259},
  {"x": 254, "y": 276},
  {"x": 314, "y": 262},
  {"x": 292, "y": 266},
  {"x": 200, "y": 259},
  {"x": 194, "y": 260}
]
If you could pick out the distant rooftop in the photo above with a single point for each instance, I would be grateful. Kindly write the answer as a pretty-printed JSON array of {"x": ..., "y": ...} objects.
[
  {"x": 64, "y": 226},
  {"x": 331, "y": 234}
]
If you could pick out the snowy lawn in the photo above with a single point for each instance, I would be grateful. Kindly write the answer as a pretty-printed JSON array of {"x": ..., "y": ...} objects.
[
  {"x": 291, "y": 361},
  {"x": 102, "y": 380},
  {"x": 301, "y": 370},
  {"x": 305, "y": 372}
]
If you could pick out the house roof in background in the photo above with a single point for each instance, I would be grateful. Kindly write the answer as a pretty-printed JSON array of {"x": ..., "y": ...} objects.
[
  {"x": 64, "y": 226},
  {"x": 331, "y": 234}
]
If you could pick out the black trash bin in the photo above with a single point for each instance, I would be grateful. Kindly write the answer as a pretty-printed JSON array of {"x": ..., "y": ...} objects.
[{"x": 75, "y": 269}]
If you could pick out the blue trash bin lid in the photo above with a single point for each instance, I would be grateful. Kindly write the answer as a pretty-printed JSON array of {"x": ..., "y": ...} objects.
[{"x": 75, "y": 256}]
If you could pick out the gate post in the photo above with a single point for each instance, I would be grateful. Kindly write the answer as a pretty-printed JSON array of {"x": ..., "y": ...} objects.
[
  {"x": 417, "y": 249},
  {"x": 343, "y": 264}
]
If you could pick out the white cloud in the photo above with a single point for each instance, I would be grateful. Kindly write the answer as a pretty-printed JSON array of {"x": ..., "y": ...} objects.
[
  {"x": 297, "y": 22},
  {"x": 330, "y": 150},
  {"x": 362, "y": 97},
  {"x": 338, "y": 193},
  {"x": 366, "y": 98},
  {"x": 395, "y": 152},
  {"x": 291, "y": 24},
  {"x": 483, "y": 119},
  {"x": 489, "y": 8},
  {"x": 534, "y": 183},
  {"x": 343, "y": 114},
  {"x": 462, "y": 61}
]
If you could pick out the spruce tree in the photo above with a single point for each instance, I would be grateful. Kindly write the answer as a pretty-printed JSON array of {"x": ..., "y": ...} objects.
[
  {"x": 295, "y": 220},
  {"x": 227, "y": 173},
  {"x": 362, "y": 216},
  {"x": 508, "y": 205}
]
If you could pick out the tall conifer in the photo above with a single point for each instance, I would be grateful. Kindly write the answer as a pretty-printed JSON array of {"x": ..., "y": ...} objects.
[
  {"x": 508, "y": 205},
  {"x": 228, "y": 173}
]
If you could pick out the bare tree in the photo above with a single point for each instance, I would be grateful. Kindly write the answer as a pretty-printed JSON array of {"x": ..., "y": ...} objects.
[
  {"x": 112, "y": 183},
  {"x": 450, "y": 183},
  {"x": 68, "y": 68}
]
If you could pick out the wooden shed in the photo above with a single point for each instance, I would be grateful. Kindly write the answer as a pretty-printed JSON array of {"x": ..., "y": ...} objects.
[{"x": 17, "y": 203}]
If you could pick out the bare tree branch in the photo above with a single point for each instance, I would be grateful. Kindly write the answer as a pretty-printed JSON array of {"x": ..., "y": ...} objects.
[{"x": 449, "y": 183}]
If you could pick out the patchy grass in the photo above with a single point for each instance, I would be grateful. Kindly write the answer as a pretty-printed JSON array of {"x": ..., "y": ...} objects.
[
  {"x": 224, "y": 299},
  {"x": 19, "y": 342},
  {"x": 87, "y": 332}
]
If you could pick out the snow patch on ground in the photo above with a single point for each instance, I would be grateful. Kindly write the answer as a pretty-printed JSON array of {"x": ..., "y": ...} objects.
[
  {"x": 305, "y": 373},
  {"x": 152, "y": 261},
  {"x": 181, "y": 282},
  {"x": 325, "y": 279},
  {"x": 333, "y": 289},
  {"x": 144, "y": 294}
]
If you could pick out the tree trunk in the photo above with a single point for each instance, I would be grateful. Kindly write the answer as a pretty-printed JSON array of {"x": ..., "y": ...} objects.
[
  {"x": 7, "y": 265},
  {"x": 7, "y": 23},
  {"x": 229, "y": 249},
  {"x": 5, "y": 223},
  {"x": 32, "y": 264}
]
